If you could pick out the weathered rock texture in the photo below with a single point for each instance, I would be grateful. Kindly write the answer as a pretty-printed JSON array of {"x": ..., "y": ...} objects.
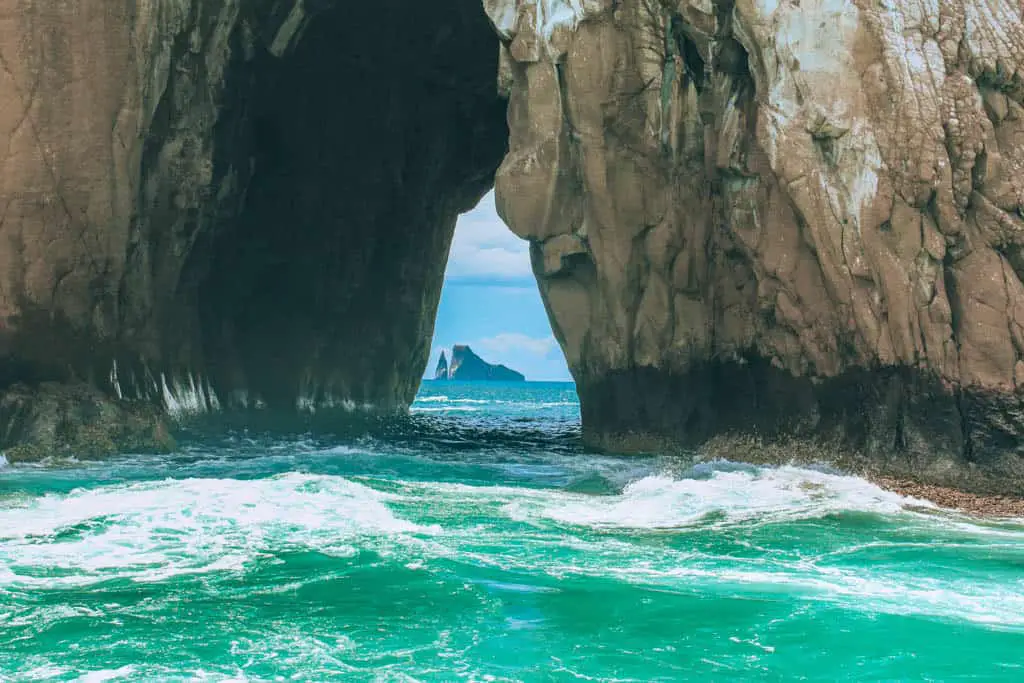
[
  {"x": 780, "y": 219},
  {"x": 211, "y": 203},
  {"x": 789, "y": 220}
]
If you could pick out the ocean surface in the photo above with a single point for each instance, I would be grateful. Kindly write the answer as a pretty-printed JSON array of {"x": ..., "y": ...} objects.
[{"x": 476, "y": 540}]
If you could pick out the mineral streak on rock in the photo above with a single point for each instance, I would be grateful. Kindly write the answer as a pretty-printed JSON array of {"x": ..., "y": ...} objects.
[{"x": 779, "y": 219}]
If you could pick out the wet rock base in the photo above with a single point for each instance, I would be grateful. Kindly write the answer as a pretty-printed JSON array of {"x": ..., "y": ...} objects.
[
  {"x": 896, "y": 423},
  {"x": 54, "y": 420}
]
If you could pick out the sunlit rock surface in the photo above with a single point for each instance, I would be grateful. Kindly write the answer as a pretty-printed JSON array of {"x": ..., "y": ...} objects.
[{"x": 755, "y": 221}]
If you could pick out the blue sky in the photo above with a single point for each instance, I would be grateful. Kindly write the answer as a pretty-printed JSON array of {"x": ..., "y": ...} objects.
[{"x": 490, "y": 300}]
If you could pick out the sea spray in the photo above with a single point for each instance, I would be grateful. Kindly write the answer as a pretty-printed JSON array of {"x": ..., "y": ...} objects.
[{"x": 488, "y": 546}]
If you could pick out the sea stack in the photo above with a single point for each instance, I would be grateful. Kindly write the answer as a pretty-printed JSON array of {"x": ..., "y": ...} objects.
[
  {"x": 466, "y": 366},
  {"x": 442, "y": 368}
]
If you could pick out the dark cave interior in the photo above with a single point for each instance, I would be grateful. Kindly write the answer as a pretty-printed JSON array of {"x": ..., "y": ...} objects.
[{"x": 366, "y": 142}]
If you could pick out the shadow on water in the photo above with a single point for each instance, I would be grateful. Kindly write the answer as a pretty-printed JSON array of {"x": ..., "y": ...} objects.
[
  {"x": 523, "y": 435},
  {"x": 430, "y": 433}
]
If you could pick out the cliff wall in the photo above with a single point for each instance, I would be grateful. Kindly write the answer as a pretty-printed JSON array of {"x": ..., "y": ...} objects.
[
  {"x": 214, "y": 204},
  {"x": 754, "y": 222}
]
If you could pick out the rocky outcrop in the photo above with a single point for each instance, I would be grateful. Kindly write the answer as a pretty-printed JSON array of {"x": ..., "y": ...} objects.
[
  {"x": 441, "y": 371},
  {"x": 60, "y": 420},
  {"x": 754, "y": 222},
  {"x": 217, "y": 204},
  {"x": 466, "y": 366}
]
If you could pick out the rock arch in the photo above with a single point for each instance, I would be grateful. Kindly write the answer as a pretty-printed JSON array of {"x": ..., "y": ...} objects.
[{"x": 751, "y": 222}]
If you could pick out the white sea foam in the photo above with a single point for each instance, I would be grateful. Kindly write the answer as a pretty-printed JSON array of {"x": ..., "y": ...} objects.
[
  {"x": 599, "y": 533},
  {"x": 862, "y": 588},
  {"x": 767, "y": 495},
  {"x": 493, "y": 402},
  {"x": 103, "y": 675},
  {"x": 156, "y": 530},
  {"x": 660, "y": 502}
]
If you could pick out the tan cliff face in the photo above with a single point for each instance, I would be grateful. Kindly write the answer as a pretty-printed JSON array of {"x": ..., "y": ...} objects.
[
  {"x": 214, "y": 204},
  {"x": 752, "y": 220},
  {"x": 768, "y": 219}
]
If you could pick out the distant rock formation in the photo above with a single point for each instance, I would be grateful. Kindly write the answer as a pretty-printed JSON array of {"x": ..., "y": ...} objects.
[
  {"x": 466, "y": 366},
  {"x": 442, "y": 368}
]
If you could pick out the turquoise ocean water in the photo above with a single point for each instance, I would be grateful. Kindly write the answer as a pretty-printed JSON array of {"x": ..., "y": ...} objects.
[{"x": 477, "y": 541}]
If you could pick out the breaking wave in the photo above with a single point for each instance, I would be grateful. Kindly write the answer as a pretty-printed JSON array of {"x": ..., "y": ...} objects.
[
  {"x": 760, "y": 496},
  {"x": 154, "y": 531},
  {"x": 489, "y": 550}
]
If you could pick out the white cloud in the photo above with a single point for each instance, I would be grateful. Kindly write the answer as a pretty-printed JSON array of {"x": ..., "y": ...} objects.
[
  {"x": 484, "y": 247},
  {"x": 510, "y": 342}
]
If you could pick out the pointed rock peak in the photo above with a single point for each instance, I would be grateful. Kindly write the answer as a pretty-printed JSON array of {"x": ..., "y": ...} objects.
[
  {"x": 467, "y": 366},
  {"x": 442, "y": 368}
]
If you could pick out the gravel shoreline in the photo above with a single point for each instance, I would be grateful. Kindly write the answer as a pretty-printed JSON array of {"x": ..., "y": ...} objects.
[{"x": 971, "y": 503}]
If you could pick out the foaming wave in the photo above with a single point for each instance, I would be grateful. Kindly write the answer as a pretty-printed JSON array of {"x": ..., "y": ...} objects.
[
  {"x": 764, "y": 495},
  {"x": 156, "y": 530},
  {"x": 495, "y": 402},
  {"x": 865, "y": 589},
  {"x": 731, "y": 505}
]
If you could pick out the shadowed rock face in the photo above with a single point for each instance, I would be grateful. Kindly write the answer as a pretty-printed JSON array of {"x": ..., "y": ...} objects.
[
  {"x": 326, "y": 287},
  {"x": 768, "y": 220},
  {"x": 213, "y": 204}
]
